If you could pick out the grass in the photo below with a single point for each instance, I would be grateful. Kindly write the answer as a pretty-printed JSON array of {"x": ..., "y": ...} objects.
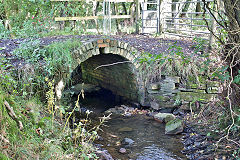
[
  {"x": 60, "y": 33},
  {"x": 43, "y": 135},
  {"x": 54, "y": 60}
]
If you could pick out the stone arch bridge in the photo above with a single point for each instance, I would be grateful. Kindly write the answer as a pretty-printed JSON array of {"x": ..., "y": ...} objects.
[{"x": 111, "y": 64}]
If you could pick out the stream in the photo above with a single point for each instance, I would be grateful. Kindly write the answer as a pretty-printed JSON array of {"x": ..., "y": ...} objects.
[
  {"x": 150, "y": 142},
  {"x": 147, "y": 138}
]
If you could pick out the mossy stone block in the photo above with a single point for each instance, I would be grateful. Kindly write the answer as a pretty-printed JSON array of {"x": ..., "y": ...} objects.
[{"x": 174, "y": 126}]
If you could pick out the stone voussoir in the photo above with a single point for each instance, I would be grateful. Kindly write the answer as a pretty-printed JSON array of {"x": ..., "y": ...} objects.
[
  {"x": 126, "y": 46},
  {"x": 83, "y": 48},
  {"x": 106, "y": 50},
  {"x": 122, "y": 52},
  {"x": 107, "y": 40},
  {"x": 122, "y": 45},
  {"x": 94, "y": 44},
  {"x": 113, "y": 49},
  {"x": 99, "y": 41},
  {"x": 130, "y": 56},
  {"x": 119, "y": 44},
  {"x": 75, "y": 53},
  {"x": 113, "y": 43},
  {"x": 96, "y": 51},
  {"x": 91, "y": 48}
]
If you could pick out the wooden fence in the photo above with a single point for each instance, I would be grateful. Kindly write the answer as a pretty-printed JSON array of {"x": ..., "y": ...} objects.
[
  {"x": 106, "y": 16},
  {"x": 168, "y": 16}
]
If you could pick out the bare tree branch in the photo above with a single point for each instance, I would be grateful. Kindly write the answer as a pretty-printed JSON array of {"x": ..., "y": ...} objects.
[
  {"x": 13, "y": 115},
  {"x": 4, "y": 139},
  {"x": 215, "y": 19}
]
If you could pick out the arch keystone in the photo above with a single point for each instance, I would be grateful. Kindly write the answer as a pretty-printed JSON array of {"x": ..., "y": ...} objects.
[{"x": 92, "y": 50}]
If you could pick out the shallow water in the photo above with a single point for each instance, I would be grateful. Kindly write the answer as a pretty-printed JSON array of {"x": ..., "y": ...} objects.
[{"x": 150, "y": 142}]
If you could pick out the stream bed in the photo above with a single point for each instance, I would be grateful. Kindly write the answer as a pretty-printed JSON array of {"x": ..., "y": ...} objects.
[
  {"x": 147, "y": 138},
  {"x": 150, "y": 142},
  {"x": 135, "y": 136}
]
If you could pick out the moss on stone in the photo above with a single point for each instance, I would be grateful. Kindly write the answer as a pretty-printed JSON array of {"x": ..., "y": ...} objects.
[
  {"x": 174, "y": 126},
  {"x": 192, "y": 96},
  {"x": 161, "y": 98}
]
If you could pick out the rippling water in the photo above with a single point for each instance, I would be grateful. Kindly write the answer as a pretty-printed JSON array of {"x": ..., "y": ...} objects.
[
  {"x": 150, "y": 141},
  {"x": 155, "y": 153}
]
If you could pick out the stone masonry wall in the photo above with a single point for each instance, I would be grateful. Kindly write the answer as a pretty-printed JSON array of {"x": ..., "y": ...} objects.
[
  {"x": 118, "y": 78},
  {"x": 130, "y": 85},
  {"x": 170, "y": 93},
  {"x": 128, "y": 82}
]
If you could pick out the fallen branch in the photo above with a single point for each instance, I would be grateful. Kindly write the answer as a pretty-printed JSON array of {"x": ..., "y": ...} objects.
[
  {"x": 105, "y": 65},
  {"x": 13, "y": 115},
  {"x": 4, "y": 139}
]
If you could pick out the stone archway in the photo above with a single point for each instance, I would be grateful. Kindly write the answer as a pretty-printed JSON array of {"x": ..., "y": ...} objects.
[{"x": 122, "y": 79}]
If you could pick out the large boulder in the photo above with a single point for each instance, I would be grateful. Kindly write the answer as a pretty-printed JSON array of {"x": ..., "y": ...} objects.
[
  {"x": 164, "y": 117},
  {"x": 174, "y": 126}
]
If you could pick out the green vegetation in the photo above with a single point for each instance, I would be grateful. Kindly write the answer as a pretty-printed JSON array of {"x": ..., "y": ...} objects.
[
  {"x": 28, "y": 88},
  {"x": 53, "y": 61},
  {"x": 200, "y": 70},
  {"x": 43, "y": 134},
  {"x": 25, "y": 89},
  {"x": 35, "y": 18}
]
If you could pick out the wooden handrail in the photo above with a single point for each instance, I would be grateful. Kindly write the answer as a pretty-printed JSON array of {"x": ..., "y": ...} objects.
[
  {"x": 116, "y": 1},
  {"x": 90, "y": 17}
]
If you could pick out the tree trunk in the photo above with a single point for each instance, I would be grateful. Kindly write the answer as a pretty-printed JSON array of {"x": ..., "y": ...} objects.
[
  {"x": 137, "y": 15},
  {"x": 233, "y": 14},
  {"x": 231, "y": 50},
  {"x": 115, "y": 12},
  {"x": 130, "y": 8},
  {"x": 132, "y": 12},
  {"x": 185, "y": 8},
  {"x": 198, "y": 7},
  {"x": 124, "y": 8},
  {"x": 8, "y": 12},
  {"x": 95, "y": 10}
]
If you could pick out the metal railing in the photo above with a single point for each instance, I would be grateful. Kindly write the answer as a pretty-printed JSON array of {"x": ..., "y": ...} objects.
[
  {"x": 150, "y": 18},
  {"x": 186, "y": 23}
]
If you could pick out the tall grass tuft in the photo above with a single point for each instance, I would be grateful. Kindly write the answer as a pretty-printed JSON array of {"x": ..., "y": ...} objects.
[{"x": 54, "y": 61}]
